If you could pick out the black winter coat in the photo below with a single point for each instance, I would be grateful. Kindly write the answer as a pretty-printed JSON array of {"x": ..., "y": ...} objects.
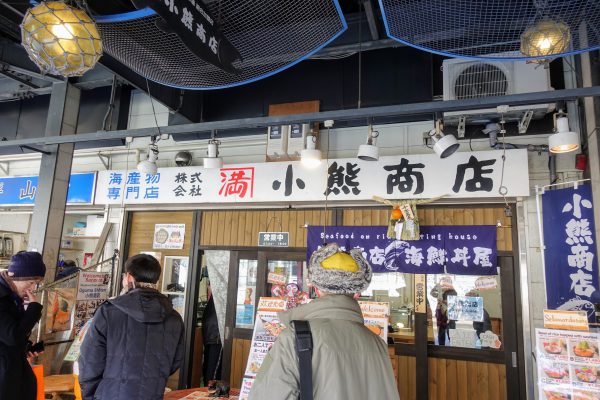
[
  {"x": 17, "y": 380},
  {"x": 210, "y": 324},
  {"x": 135, "y": 342}
]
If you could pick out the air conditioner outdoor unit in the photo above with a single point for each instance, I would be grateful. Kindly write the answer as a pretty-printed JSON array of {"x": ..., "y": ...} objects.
[{"x": 465, "y": 79}]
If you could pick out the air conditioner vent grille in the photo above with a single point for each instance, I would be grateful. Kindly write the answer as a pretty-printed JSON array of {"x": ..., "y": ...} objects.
[{"x": 480, "y": 80}]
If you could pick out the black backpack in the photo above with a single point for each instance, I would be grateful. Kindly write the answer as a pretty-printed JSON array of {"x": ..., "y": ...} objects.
[{"x": 304, "y": 350}]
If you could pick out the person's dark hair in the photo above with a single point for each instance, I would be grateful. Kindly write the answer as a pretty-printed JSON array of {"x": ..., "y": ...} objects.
[
  {"x": 69, "y": 264},
  {"x": 449, "y": 292},
  {"x": 144, "y": 268}
]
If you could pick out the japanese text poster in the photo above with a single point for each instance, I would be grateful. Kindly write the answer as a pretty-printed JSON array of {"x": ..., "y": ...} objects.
[
  {"x": 460, "y": 250},
  {"x": 570, "y": 249}
]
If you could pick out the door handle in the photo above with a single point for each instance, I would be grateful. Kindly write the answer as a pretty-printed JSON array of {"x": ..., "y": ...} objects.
[
  {"x": 227, "y": 333},
  {"x": 514, "y": 359}
]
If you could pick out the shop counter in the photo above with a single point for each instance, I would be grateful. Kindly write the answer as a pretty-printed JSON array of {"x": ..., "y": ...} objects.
[
  {"x": 402, "y": 337},
  {"x": 181, "y": 394},
  {"x": 56, "y": 385}
]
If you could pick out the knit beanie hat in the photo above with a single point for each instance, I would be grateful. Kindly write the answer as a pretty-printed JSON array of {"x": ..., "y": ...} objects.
[
  {"x": 26, "y": 265},
  {"x": 335, "y": 271}
]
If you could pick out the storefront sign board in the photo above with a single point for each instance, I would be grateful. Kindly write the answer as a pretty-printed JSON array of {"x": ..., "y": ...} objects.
[
  {"x": 570, "y": 249},
  {"x": 169, "y": 236},
  {"x": 567, "y": 320},
  {"x": 460, "y": 250},
  {"x": 568, "y": 364},
  {"x": 274, "y": 239},
  {"x": 464, "y": 175},
  {"x": 22, "y": 190},
  {"x": 199, "y": 31}
]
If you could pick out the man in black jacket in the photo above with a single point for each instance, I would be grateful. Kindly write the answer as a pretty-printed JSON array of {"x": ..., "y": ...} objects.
[
  {"x": 135, "y": 341},
  {"x": 211, "y": 366},
  {"x": 19, "y": 312}
]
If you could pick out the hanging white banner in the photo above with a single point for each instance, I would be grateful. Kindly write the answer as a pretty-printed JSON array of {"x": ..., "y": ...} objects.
[{"x": 476, "y": 174}]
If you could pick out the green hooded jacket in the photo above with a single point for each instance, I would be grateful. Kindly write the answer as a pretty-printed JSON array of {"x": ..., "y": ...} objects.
[{"x": 349, "y": 361}]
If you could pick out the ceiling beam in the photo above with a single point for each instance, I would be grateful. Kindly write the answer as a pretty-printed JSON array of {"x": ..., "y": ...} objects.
[
  {"x": 413, "y": 109},
  {"x": 371, "y": 19},
  {"x": 4, "y": 70}
]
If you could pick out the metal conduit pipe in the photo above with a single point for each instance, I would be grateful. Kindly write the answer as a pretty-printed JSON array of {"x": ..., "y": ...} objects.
[{"x": 256, "y": 140}]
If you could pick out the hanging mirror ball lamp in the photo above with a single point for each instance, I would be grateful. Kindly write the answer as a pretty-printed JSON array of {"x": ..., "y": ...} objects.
[
  {"x": 545, "y": 38},
  {"x": 60, "y": 39}
]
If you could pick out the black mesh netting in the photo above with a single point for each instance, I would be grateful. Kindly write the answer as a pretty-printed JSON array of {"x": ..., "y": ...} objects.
[
  {"x": 270, "y": 36},
  {"x": 489, "y": 29}
]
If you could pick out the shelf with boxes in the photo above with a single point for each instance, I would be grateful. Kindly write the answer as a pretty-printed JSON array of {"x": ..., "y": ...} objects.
[{"x": 80, "y": 237}]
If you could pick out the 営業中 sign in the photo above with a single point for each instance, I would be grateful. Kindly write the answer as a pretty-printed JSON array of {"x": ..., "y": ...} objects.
[{"x": 274, "y": 239}]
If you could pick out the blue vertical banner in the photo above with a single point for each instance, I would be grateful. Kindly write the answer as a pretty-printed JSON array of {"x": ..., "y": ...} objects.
[{"x": 570, "y": 249}]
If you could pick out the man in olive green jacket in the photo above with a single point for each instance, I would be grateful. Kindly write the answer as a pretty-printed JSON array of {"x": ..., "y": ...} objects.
[{"x": 349, "y": 362}]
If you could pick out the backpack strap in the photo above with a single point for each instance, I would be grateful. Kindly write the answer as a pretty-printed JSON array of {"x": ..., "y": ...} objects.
[{"x": 304, "y": 350}]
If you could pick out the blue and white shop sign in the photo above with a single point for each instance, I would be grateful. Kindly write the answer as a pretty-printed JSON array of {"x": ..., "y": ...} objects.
[
  {"x": 422, "y": 176},
  {"x": 21, "y": 190},
  {"x": 570, "y": 250}
]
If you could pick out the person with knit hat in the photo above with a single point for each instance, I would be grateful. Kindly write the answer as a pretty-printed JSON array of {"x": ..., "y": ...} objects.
[
  {"x": 19, "y": 312},
  {"x": 349, "y": 362}
]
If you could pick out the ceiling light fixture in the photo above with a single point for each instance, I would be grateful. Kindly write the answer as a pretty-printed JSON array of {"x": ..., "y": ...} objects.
[
  {"x": 563, "y": 140},
  {"x": 149, "y": 166},
  {"x": 212, "y": 159},
  {"x": 369, "y": 151},
  {"x": 311, "y": 156},
  {"x": 60, "y": 39},
  {"x": 444, "y": 145},
  {"x": 544, "y": 39}
]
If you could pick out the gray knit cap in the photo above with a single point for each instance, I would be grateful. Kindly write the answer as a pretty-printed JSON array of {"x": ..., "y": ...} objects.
[{"x": 338, "y": 281}]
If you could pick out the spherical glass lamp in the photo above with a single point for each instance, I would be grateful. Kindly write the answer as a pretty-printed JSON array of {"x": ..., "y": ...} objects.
[
  {"x": 60, "y": 39},
  {"x": 545, "y": 38}
]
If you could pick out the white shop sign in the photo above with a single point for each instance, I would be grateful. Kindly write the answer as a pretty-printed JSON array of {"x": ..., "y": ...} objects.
[{"x": 476, "y": 174}]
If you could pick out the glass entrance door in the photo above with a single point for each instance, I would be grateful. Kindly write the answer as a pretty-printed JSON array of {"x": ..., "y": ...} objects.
[{"x": 248, "y": 282}]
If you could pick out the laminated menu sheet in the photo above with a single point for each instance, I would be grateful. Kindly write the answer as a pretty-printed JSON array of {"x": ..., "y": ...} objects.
[{"x": 568, "y": 365}]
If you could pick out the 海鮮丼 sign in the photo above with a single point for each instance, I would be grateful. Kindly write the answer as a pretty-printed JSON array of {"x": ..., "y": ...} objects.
[
  {"x": 570, "y": 249},
  {"x": 464, "y": 175},
  {"x": 460, "y": 250}
]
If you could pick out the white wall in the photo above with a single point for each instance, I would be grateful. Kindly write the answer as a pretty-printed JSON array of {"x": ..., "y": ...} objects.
[{"x": 142, "y": 109}]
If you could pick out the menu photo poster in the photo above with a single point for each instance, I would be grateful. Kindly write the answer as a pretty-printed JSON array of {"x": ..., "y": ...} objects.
[
  {"x": 266, "y": 329},
  {"x": 92, "y": 291},
  {"x": 60, "y": 309},
  {"x": 568, "y": 364},
  {"x": 376, "y": 316},
  {"x": 168, "y": 236}
]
